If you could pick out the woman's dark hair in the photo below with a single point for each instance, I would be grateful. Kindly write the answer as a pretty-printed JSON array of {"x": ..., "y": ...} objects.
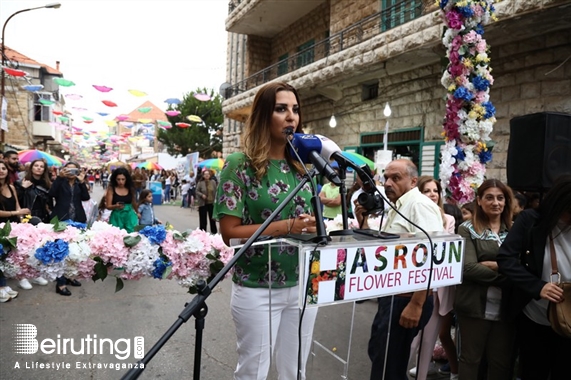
[
  {"x": 144, "y": 194},
  {"x": 129, "y": 181},
  {"x": 480, "y": 220},
  {"x": 45, "y": 176},
  {"x": 72, "y": 163},
  {"x": 555, "y": 203},
  {"x": 455, "y": 212},
  {"x": 7, "y": 182}
]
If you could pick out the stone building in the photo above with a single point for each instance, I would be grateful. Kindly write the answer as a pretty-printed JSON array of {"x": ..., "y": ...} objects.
[
  {"x": 29, "y": 114},
  {"x": 348, "y": 58}
]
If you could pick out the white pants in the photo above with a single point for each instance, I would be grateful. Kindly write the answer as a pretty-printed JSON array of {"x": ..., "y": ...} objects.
[{"x": 253, "y": 319}]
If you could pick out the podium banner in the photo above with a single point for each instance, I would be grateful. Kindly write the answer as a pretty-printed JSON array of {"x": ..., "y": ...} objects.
[{"x": 346, "y": 271}]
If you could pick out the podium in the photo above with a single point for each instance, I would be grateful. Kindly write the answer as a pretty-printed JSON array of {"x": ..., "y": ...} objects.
[{"x": 358, "y": 267}]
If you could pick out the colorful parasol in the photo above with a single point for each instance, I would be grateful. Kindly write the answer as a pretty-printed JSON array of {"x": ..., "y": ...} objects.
[
  {"x": 64, "y": 82},
  {"x": 14, "y": 72},
  {"x": 215, "y": 164},
  {"x": 150, "y": 165},
  {"x": 109, "y": 103},
  {"x": 182, "y": 125},
  {"x": 202, "y": 97},
  {"x": 33, "y": 87},
  {"x": 137, "y": 93},
  {"x": 173, "y": 113},
  {"x": 173, "y": 101},
  {"x": 194, "y": 118},
  {"x": 34, "y": 154},
  {"x": 358, "y": 159},
  {"x": 102, "y": 88}
]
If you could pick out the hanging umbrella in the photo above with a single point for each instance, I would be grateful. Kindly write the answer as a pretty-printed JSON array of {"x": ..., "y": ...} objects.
[
  {"x": 33, "y": 154},
  {"x": 215, "y": 164},
  {"x": 102, "y": 88},
  {"x": 173, "y": 101},
  {"x": 202, "y": 97},
  {"x": 33, "y": 87},
  {"x": 150, "y": 165},
  {"x": 173, "y": 113},
  {"x": 63, "y": 82},
  {"x": 358, "y": 159},
  {"x": 194, "y": 118}
]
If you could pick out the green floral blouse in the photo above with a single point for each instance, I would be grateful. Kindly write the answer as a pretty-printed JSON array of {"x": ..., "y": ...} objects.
[{"x": 240, "y": 194}]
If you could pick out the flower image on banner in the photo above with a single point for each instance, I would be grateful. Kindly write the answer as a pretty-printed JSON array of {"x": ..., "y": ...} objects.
[{"x": 470, "y": 116}]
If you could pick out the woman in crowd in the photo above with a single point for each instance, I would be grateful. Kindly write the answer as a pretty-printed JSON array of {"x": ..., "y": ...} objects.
[
  {"x": 467, "y": 210},
  {"x": 120, "y": 198},
  {"x": 205, "y": 194},
  {"x": 480, "y": 303},
  {"x": 33, "y": 194},
  {"x": 10, "y": 211},
  {"x": 252, "y": 184},
  {"x": 525, "y": 258},
  {"x": 69, "y": 190},
  {"x": 442, "y": 317}
]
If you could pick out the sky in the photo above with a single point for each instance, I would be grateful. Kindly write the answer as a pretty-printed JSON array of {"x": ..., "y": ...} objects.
[{"x": 164, "y": 48}]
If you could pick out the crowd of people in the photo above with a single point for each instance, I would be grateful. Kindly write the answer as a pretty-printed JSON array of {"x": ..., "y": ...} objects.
[{"x": 498, "y": 311}]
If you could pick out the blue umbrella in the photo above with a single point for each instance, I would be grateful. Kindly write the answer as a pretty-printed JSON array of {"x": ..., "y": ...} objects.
[{"x": 173, "y": 101}]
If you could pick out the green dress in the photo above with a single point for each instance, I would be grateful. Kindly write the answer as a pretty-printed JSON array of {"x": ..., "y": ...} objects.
[{"x": 240, "y": 194}]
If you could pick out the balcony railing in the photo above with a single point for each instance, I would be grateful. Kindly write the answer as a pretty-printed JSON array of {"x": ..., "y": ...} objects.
[{"x": 363, "y": 30}]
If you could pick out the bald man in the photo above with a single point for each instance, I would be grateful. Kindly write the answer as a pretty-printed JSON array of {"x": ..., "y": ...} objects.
[{"x": 410, "y": 311}]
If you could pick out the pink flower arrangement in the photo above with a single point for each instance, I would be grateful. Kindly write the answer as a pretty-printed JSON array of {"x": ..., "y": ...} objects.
[
  {"x": 103, "y": 249},
  {"x": 469, "y": 113}
]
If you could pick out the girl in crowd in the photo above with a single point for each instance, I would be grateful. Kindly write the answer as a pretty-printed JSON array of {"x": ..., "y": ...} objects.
[
  {"x": 442, "y": 317},
  {"x": 146, "y": 210},
  {"x": 480, "y": 302},
  {"x": 205, "y": 193},
  {"x": 252, "y": 184},
  {"x": 120, "y": 198},
  {"x": 525, "y": 257},
  {"x": 467, "y": 210},
  {"x": 33, "y": 194},
  {"x": 69, "y": 190},
  {"x": 10, "y": 211}
]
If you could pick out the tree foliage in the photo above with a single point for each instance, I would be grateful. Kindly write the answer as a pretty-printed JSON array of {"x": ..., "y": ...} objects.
[{"x": 204, "y": 137}]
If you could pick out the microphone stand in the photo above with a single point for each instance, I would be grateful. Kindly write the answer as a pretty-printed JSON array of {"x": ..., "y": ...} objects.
[
  {"x": 197, "y": 306},
  {"x": 346, "y": 231}
]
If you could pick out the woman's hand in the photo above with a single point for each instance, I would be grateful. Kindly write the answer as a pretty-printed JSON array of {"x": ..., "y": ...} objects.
[
  {"x": 22, "y": 211},
  {"x": 81, "y": 176},
  {"x": 304, "y": 223},
  {"x": 26, "y": 183},
  {"x": 490, "y": 264},
  {"x": 552, "y": 292}
]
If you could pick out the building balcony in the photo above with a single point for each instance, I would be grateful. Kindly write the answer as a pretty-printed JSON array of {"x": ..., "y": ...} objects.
[
  {"x": 266, "y": 18},
  {"x": 43, "y": 130}
]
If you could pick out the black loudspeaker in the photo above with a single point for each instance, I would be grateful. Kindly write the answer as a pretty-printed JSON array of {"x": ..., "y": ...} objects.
[{"x": 539, "y": 150}]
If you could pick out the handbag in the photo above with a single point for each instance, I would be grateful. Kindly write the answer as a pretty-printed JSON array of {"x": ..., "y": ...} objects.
[{"x": 559, "y": 314}]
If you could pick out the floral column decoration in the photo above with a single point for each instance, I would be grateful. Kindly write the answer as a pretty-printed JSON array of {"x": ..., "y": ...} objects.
[{"x": 469, "y": 113}]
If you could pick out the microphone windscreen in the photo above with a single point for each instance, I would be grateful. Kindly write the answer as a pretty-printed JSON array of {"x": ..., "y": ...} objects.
[
  {"x": 305, "y": 144},
  {"x": 328, "y": 147}
]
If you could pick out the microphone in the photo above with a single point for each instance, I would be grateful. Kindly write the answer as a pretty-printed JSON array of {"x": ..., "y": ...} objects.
[
  {"x": 308, "y": 148},
  {"x": 305, "y": 144}
]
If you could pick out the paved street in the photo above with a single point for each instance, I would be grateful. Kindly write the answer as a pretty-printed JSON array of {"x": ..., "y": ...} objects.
[{"x": 148, "y": 308}]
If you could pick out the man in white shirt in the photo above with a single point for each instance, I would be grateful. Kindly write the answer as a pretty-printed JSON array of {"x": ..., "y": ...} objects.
[{"x": 410, "y": 311}]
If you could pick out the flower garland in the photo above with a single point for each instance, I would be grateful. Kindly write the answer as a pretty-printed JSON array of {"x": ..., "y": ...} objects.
[
  {"x": 469, "y": 113},
  {"x": 61, "y": 249}
]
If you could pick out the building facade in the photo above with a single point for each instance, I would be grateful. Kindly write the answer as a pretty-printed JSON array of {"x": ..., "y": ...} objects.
[
  {"x": 349, "y": 58},
  {"x": 30, "y": 114}
]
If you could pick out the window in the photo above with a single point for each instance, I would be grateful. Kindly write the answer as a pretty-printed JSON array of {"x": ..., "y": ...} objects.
[
  {"x": 398, "y": 12},
  {"x": 283, "y": 65},
  {"x": 42, "y": 112},
  {"x": 370, "y": 90},
  {"x": 305, "y": 54}
]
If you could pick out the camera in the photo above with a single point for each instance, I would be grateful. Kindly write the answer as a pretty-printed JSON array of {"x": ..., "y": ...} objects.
[
  {"x": 371, "y": 201},
  {"x": 73, "y": 171}
]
